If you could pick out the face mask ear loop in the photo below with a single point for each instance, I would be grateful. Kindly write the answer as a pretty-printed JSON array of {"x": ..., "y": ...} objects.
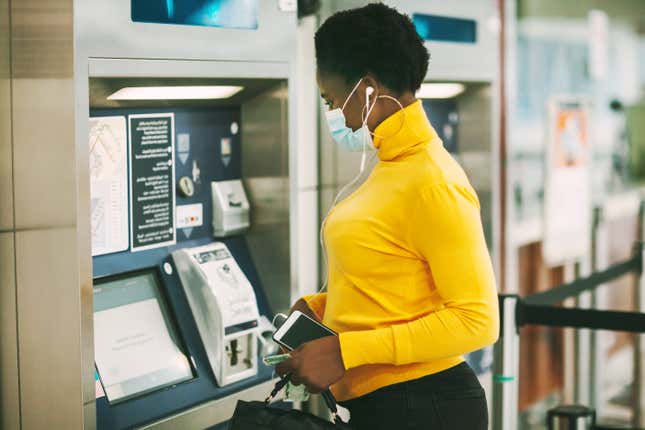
[{"x": 351, "y": 93}]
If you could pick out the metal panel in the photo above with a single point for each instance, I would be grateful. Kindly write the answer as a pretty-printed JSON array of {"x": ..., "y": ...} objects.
[
  {"x": 105, "y": 29},
  {"x": 308, "y": 101},
  {"x": 42, "y": 102},
  {"x": 308, "y": 279},
  {"x": 139, "y": 68},
  {"x": 6, "y": 175},
  {"x": 9, "y": 389},
  {"x": 476, "y": 150},
  {"x": 49, "y": 327},
  {"x": 44, "y": 164},
  {"x": 212, "y": 413},
  {"x": 265, "y": 169}
]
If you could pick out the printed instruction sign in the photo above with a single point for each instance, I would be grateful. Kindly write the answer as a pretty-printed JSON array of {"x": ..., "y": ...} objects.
[
  {"x": 108, "y": 184},
  {"x": 152, "y": 178},
  {"x": 567, "y": 190}
]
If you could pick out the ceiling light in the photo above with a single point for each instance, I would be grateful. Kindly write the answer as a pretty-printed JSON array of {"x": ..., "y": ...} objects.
[
  {"x": 440, "y": 90},
  {"x": 176, "y": 93}
]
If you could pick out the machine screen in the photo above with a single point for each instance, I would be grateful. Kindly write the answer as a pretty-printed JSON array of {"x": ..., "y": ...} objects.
[{"x": 137, "y": 347}]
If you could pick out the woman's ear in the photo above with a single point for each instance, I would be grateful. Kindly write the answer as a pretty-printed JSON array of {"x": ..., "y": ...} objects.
[{"x": 370, "y": 82}]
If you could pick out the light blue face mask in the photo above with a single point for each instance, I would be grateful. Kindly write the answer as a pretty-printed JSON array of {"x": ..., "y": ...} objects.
[{"x": 343, "y": 135}]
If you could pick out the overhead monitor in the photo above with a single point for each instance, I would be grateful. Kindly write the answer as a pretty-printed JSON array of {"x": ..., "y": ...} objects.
[
  {"x": 136, "y": 342},
  {"x": 437, "y": 28},
  {"x": 241, "y": 14}
]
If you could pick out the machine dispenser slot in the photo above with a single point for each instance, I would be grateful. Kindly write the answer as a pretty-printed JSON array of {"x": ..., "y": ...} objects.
[
  {"x": 225, "y": 308},
  {"x": 138, "y": 348}
]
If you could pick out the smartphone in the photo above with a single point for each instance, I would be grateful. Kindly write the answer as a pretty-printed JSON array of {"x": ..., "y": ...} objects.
[{"x": 299, "y": 329}]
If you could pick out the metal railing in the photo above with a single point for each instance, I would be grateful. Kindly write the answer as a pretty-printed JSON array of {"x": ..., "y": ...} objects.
[{"x": 541, "y": 309}]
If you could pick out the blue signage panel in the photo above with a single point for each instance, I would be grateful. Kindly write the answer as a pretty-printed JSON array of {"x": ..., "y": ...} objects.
[
  {"x": 445, "y": 29},
  {"x": 241, "y": 14}
]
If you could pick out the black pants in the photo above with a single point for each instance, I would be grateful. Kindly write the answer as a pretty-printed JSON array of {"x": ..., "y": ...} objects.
[{"x": 448, "y": 400}]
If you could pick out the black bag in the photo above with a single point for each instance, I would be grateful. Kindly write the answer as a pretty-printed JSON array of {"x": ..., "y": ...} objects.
[{"x": 261, "y": 416}]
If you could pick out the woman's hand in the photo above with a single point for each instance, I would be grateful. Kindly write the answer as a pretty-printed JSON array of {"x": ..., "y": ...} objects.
[
  {"x": 303, "y": 307},
  {"x": 317, "y": 364}
]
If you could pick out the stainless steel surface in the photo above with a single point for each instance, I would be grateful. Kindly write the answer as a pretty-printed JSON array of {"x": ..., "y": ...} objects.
[
  {"x": 583, "y": 342},
  {"x": 6, "y": 174},
  {"x": 9, "y": 379},
  {"x": 81, "y": 133},
  {"x": 49, "y": 328},
  {"x": 569, "y": 344},
  {"x": 102, "y": 88},
  {"x": 308, "y": 103},
  {"x": 212, "y": 413},
  {"x": 475, "y": 148},
  {"x": 265, "y": 170},
  {"x": 44, "y": 158},
  {"x": 105, "y": 29},
  {"x": 42, "y": 104},
  {"x": 48, "y": 250},
  {"x": 43, "y": 148},
  {"x": 599, "y": 247},
  {"x": 150, "y": 68},
  {"x": 566, "y": 423},
  {"x": 304, "y": 159},
  {"x": 506, "y": 370},
  {"x": 639, "y": 341}
]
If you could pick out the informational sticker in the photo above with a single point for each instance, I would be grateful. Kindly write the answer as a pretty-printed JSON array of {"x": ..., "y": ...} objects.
[
  {"x": 226, "y": 150},
  {"x": 190, "y": 215},
  {"x": 152, "y": 178},
  {"x": 108, "y": 184},
  {"x": 183, "y": 147},
  {"x": 567, "y": 190}
]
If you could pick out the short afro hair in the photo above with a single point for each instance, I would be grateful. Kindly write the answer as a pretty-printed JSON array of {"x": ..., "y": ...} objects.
[{"x": 374, "y": 39}]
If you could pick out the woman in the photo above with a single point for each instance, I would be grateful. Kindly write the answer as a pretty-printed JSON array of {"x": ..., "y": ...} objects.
[{"x": 410, "y": 282}]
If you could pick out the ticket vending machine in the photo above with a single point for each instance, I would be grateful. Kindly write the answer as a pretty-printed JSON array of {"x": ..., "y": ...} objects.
[
  {"x": 178, "y": 300},
  {"x": 188, "y": 112}
]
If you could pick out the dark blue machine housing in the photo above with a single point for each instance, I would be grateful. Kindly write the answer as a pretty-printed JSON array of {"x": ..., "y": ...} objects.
[{"x": 206, "y": 128}]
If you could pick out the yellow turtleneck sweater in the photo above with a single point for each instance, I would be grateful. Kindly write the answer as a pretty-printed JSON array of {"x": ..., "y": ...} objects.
[{"x": 411, "y": 285}]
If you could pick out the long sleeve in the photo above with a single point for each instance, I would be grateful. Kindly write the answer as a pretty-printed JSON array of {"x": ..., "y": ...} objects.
[
  {"x": 445, "y": 230},
  {"x": 317, "y": 303}
]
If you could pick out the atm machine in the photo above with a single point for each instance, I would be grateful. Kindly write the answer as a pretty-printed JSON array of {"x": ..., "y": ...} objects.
[{"x": 191, "y": 202}]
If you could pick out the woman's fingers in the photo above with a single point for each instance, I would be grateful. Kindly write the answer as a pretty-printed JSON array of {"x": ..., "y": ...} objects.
[{"x": 285, "y": 367}]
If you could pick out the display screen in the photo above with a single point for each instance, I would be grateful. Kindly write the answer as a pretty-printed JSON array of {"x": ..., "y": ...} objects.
[
  {"x": 136, "y": 344},
  {"x": 304, "y": 330},
  {"x": 241, "y": 14},
  {"x": 445, "y": 28}
]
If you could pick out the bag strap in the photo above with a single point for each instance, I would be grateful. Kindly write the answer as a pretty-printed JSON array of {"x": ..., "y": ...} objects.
[
  {"x": 329, "y": 398},
  {"x": 278, "y": 387}
]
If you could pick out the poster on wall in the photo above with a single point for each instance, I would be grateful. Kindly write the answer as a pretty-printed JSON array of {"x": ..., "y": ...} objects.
[
  {"x": 567, "y": 189},
  {"x": 108, "y": 184},
  {"x": 152, "y": 178}
]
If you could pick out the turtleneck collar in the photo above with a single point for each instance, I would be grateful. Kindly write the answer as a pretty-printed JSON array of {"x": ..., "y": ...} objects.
[{"x": 402, "y": 131}]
